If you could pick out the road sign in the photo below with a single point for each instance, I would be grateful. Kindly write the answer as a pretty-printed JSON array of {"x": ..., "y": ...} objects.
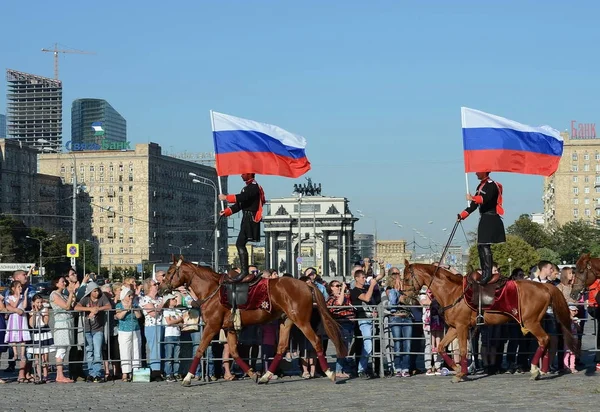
[
  {"x": 299, "y": 259},
  {"x": 11, "y": 267},
  {"x": 73, "y": 250}
]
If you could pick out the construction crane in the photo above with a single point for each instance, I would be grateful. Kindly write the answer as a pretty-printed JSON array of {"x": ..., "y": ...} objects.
[{"x": 56, "y": 50}]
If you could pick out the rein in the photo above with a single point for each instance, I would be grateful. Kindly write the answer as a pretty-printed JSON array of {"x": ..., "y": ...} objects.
[
  {"x": 199, "y": 302},
  {"x": 442, "y": 309}
]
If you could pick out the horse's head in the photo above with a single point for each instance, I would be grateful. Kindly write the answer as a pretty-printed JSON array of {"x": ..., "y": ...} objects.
[
  {"x": 176, "y": 276},
  {"x": 586, "y": 269},
  {"x": 409, "y": 282}
]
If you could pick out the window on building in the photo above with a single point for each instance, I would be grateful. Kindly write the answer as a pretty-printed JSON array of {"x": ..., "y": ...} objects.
[
  {"x": 575, "y": 201},
  {"x": 574, "y": 168},
  {"x": 121, "y": 240},
  {"x": 576, "y": 190},
  {"x": 597, "y": 212},
  {"x": 131, "y": 188},
  {"x": 586, "y": 179},
  {"x": 121, "y": 167},
  {"x": 598, "y": 157},
  {"x": 586, "y": 157},
  {"x": 101, "y": 178},
  {"x": 131, "y": 177},
  {"x": 131, "y": 240},
  {"x": 597, "y": 179},
  {"x": 120, "y": 178},
  {"x": 575, "y": 179},
  {"x": 102, "y": 168},
  {"x": 575, "y": 212},
  {"x": 101, "y": 240},
  {"x": 91, "y": 168},
  {"x": 131, "y": 167},
  {"x": 586, "y": 190},
  {"x": 111, "y": 168},
  {"x": 111, "y": 199},
  {"x": 130, "y": 199},
  {"x": 586, "y": 201},
  {"x": 121, "y": 219},
  {"x": 111, "y": 250},
  {"x": 101, "y": 199},
  {"x": 121, "y": 261},
  {"x": 101, "y": 229},
  {"x": 131, "y": 229},
  {"x": 111, "y": 178},
  {"x": 101, "y": 219},
  {"x": 131, "y": 220},
  {"x": 586, "y": 168},
  {"x": 121, "y": 250},
  {"x": 130, "y": 208},
  {"x": 574, "y": 156},
  {"x": 587, "y": 212},
  {"x": 121, "y": 208}
]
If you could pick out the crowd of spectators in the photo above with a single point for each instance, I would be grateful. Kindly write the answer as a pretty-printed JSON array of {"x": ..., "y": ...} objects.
[{"x": 116, "y": 329}]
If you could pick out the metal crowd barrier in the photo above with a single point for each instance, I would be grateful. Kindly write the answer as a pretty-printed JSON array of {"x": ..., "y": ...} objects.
[{"x": 382, "y": 342}]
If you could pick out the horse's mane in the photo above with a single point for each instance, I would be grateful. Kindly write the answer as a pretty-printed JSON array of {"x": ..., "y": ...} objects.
[
  {"x": 202, "y": 271},
  {"x": 431, "y": 269}
]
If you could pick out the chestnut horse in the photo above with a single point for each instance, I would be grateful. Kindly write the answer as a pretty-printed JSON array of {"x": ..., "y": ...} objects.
[
  {"x": 586, "y": 273},
  {"x": 447, "y": 288},
  {"x": 288, "y": 296}
]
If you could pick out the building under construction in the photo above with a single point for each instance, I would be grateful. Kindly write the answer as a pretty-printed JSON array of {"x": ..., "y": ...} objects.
[{"x": 34, "y": 109}]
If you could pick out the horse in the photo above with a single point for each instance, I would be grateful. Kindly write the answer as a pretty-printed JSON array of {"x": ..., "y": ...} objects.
[
  {"x": 447, "y": 288},
  {"x": 587, "y": 271},
  {"x": 288, "y": 296}
]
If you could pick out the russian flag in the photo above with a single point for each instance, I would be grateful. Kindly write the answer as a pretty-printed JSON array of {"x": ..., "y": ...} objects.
[
  {"x": 246, "y": 146},
  {"x": 495, "y": 144}
]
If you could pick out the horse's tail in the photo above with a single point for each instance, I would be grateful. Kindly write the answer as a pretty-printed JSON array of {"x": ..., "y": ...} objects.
[
  {"x": 560, "y": 307},
  {"x": 332, "y": 328}
]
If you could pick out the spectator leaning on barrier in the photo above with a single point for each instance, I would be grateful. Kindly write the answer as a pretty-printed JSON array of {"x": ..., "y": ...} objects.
[
  {"x": 400, "y": 323},
  {"x": 345, "y": 318},
  {"x": 96, "y": 305},
  {"x": 63, "y": 322},
  {"x": 153, "y": 327},
  {"x": 172, "y": 320},
  {"x": 130, "y": 339},
  {"x": 361, "y": 296}
]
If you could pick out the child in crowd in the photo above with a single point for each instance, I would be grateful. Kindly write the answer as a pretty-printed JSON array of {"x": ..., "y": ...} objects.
[
  {"x": 172, "y": 319},
  {"x": 41, "y": 336},
  {"x": 17, "y": 333},
  {"x": 569, "y": 360}
]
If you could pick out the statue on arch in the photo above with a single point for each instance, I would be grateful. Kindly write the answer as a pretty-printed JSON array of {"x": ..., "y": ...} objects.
[{"x": 332, "y": 267}]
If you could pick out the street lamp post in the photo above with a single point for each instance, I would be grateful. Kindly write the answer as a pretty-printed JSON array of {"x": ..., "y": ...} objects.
[
  {"x": 41, "y": 243},
  {"x": 181, "y": 247},
  {"x": 207, "y": 182}
]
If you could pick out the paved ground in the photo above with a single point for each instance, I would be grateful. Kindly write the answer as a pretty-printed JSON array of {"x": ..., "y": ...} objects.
[
  {"x": 501, "y": 392},
  {"x": 495, "y": 393}
]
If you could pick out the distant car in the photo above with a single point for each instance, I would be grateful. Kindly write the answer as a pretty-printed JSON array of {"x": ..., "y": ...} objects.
[{"x": 43, "y": 288}]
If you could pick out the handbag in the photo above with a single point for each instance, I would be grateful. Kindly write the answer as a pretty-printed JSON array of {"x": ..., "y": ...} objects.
[{"x": 141, "y": 375}]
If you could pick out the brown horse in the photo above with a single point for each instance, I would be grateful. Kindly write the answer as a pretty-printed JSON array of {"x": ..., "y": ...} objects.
[
  {"x": 447, "y": 288},
  {"x": 288, "y": 296},
  {"x": 587, "y": 271}
]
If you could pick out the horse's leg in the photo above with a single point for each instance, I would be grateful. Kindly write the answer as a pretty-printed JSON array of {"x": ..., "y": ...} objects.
[
  {"x": 448, "y": 337},
  {"x": 304, "y": 326},
  {"x": 233, "y": 352},
  {"x": 207, "y": 334},
  {"x": 463, "y": 335},
  {"x": 284, "y": 341},
  {"x": 542, "y": 337}
]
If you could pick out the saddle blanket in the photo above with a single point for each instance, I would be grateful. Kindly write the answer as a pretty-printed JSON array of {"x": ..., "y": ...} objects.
[
  {"x": 258, "y": 297},
  {"x": 506, "y": 300}
]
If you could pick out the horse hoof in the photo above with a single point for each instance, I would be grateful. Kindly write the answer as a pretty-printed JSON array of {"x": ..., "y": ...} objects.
[
  {"x": 265, "y": 378},
  {"x": 330, "y": 374},
  {"x": 457, "y": 379},
  {"x": 535, "y": 376},
  {"x": 186, "y": 383}
]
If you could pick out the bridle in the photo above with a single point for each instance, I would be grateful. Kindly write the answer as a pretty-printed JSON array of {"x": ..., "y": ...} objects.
[
  {"x": 197, "y": 303},
  {"x": 584, "y": 275},
  {"x": 414, "y": 279}
]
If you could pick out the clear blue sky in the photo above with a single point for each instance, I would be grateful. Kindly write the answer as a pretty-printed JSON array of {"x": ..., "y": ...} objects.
[{"x": 375, "y": 87}]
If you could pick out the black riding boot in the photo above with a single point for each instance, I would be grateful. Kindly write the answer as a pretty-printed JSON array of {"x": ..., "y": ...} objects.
[
  {"x": 485, "y": 260},
  {"x": 244, "y": 265}
]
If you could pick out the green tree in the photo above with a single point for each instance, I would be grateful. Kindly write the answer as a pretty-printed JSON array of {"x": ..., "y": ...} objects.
[
  {"x": 521, "y": 253},
  {"x": 531, "y": 232},
  {"x": 574, "y": 238},
  {"x": 549, "y": 255}
]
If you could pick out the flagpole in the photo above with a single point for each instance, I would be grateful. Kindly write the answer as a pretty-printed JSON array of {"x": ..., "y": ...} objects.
[
  {"x": 212, "y": 125},
  {"x": 462, "y": 118}
]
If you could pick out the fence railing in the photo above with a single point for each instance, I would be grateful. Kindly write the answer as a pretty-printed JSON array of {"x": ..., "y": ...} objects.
[{"x": 382, "y": 355}]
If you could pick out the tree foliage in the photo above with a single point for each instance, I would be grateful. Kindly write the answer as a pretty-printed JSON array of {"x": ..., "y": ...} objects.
[
  {"x": 531, "y": 232},
  {"x": 549, "y": 255},
  {"x": 521, "y": 253},
  {"x": 574, "y": 238}
]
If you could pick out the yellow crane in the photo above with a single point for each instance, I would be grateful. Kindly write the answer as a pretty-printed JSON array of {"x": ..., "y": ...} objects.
[{"x": 56, "y": 50}]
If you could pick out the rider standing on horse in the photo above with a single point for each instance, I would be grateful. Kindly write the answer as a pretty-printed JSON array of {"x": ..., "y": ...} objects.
[
  {"x": 488, "y": 198},
  {"x": 250, "y": 201}
]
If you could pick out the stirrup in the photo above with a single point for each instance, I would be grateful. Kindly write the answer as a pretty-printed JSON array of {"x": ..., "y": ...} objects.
[{"x": 480, "y": 320}]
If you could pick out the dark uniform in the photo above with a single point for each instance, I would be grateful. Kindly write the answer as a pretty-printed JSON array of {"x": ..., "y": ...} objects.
[
  {"x": 488, "y": 198},
  {"x": 250, "y": 201}
]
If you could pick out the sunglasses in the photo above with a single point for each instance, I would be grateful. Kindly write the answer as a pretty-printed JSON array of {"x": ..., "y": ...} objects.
[
  {"x": 395, "y": 273},
  {"x": 254, "y": 272},
  {"x": 336, "y": 286}
]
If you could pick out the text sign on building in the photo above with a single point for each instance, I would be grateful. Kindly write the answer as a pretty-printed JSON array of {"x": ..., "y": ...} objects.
[
  {"x": 11, "y": 267},
  {"x": 583, "y": 130}
]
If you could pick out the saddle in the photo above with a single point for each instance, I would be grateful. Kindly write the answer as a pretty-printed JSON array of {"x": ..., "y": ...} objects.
[
  {"x": 488, "y": 291},
  {"x": 237, "y": 292}
]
